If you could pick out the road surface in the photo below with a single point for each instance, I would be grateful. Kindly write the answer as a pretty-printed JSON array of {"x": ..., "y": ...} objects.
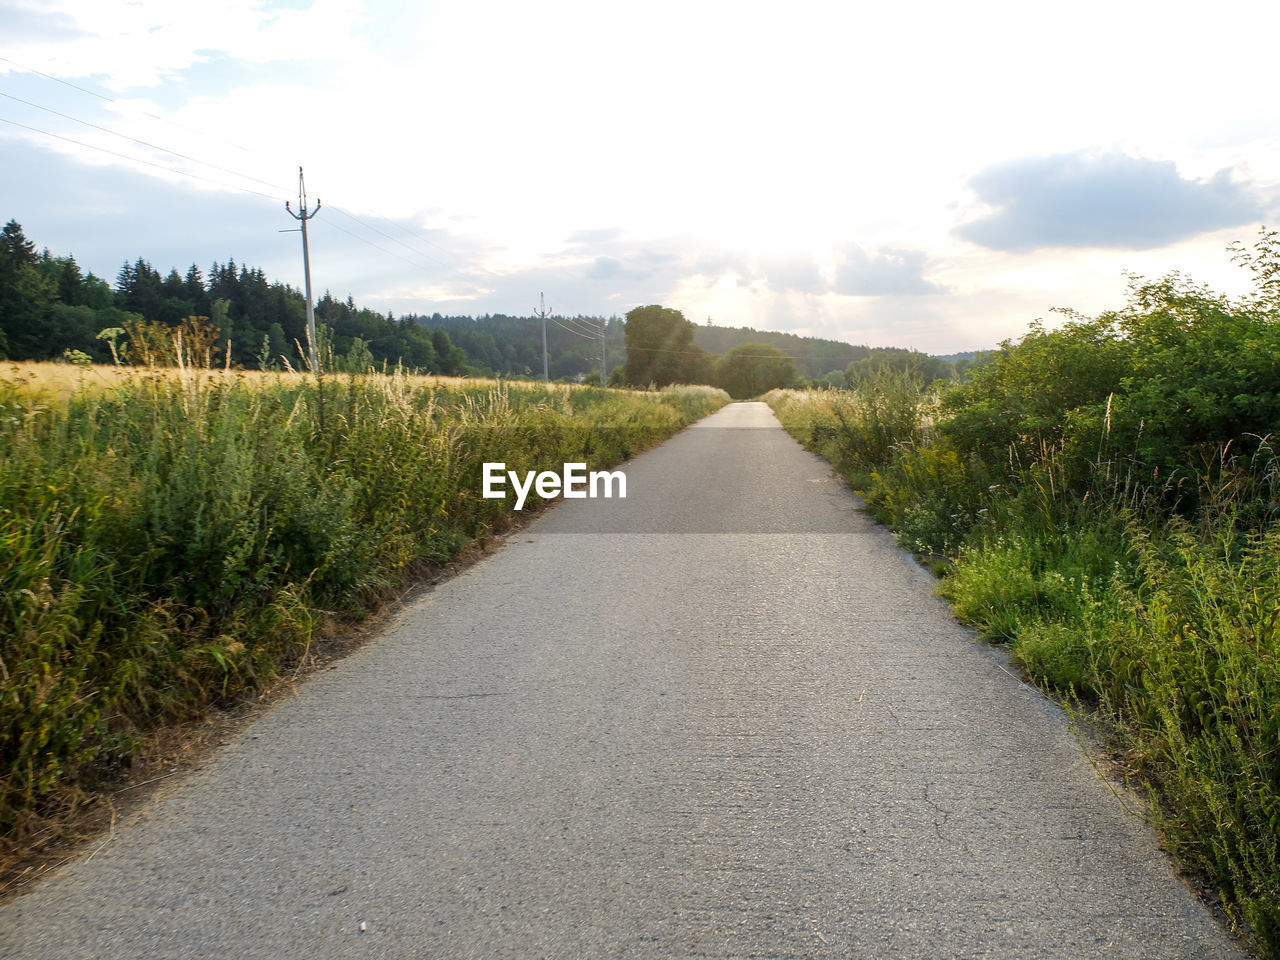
[{"x": 725, "y": 717}]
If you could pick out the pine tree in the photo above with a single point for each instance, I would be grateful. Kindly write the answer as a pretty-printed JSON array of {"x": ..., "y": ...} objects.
[{"x": 25, "y": 295}]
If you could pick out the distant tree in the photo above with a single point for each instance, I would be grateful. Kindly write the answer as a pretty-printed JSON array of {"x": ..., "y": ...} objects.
[
  {"x": 449, "y": 359},
  {"x": 193, "y": 285},
  {"x": 14, "y": 244},
  {"x": 173, "y": 285},
  {"x": 357, "y": 359},
  {"x": 751, "y": 369},
  {"x": 66, "y": 276},
  {"x": 73, "y": 328},
  {"x": 883, "y": 360},
  {"x": 697, "y": 365},
  {"x": 141, "y": 290},
  {"x": 71, "y": 287},
  {"x": 276, "y": 345},
  {"x": 440, "y": 342},
  {"x": 657, "y": 338},
  {"x": 814, "y": 356}
]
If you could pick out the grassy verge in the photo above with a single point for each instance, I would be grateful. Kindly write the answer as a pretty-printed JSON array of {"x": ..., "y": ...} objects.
[
  {"x": 172, "y": 539},
  {"x": 1104, "y": 499}
]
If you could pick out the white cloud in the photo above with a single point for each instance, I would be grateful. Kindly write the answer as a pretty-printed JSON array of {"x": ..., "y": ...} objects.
[
  {"x": 145, "y": 43},
  {"x": 1107, "y": 200},
  {"x": 716, "y": 154}
]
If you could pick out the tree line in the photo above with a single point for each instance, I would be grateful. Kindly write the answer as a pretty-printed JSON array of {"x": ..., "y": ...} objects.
[
  {"x": 50, "y": 308},
  {"x": 663, "y": 348}
]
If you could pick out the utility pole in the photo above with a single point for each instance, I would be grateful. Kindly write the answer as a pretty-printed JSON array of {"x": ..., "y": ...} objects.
[
  {"x": 604, "y": 366},
  {"x": 302, "y": 217},
  {"x": 542, "y": 312}
]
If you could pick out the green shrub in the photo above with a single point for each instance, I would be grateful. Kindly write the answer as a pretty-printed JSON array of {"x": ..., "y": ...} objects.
[
  {"x": 1194, "y": 676},
  {"x": 172, "y": 540},
  {"x": 1108, "y": 495}
]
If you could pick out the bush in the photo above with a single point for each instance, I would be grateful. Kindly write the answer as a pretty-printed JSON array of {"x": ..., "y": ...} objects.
[
  {"x": 173, "y": 540},
  {"x": 1108, "y": 494}
]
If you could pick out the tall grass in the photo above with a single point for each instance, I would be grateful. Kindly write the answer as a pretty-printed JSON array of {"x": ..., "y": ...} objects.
[
  {"x": 861, "y": 428},
  {"x": 169, "y": 538},
  {"x": 1165, "y": 624}
]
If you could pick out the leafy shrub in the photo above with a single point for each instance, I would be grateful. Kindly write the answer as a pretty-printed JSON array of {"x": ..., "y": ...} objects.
[
  {"x": 1108, "y": 494},
  {"x": 172, "y": 539},
  {"x": 1194, "y": 676},
  {"x": 930, "y": 496}
]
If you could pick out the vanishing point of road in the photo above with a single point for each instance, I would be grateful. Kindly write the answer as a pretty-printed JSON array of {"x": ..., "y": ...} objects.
[{"x": 724, "y": 717}]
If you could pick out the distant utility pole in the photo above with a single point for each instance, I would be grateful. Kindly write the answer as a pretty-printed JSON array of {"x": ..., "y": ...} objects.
[
  {"x": 542, "y": 312},
  {"x": 302, "y": 217},
  {"x": 604, "y": 366}
]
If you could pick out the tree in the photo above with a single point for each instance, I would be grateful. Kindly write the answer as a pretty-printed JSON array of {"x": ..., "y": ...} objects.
[
  {"x": 656, "y": 339},
  {"x": 450, "y": 359},
  {"x": 193, "y": 285},
  {"x": 14, "y": 244},
  {"x": 751, "y": 369},
  {"x": 69, "y": 327},
  {"x": 882, "y": 360},
  {"x": 141, "y": 289},
  {"x": 697, "y": 366},
  {"x": 25, "y": 295}
]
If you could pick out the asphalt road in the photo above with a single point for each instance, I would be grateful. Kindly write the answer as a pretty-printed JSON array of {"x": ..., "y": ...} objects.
[{"x": 725, "y": 717}]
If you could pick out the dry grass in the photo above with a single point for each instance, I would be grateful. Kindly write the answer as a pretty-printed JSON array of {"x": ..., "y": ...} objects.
[
  {"x": 63, "y": 380},
  {"x": 172, "y": 538},
  {"x": 57, "y": 382}
]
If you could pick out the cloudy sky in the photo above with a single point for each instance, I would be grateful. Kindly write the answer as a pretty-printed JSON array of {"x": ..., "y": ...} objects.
[{"x": 931, "y": 175}]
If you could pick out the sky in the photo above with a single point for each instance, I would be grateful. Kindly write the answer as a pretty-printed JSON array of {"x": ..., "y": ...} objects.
[{"x": 925, "y": 175}]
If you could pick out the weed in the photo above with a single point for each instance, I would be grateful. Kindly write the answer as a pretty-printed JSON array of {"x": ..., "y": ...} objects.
[{"x": 169, "y": 536}]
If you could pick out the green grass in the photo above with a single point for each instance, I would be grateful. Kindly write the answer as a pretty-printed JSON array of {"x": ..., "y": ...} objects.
[
  {"x": 1164, "y": 626},
  {"x": 172, "y": 539}
]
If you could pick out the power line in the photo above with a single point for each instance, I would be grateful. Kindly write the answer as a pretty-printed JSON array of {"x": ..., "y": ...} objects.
[
  {"x": 144, "y": 143},
  {"x": 377, "y": 246},
  {"x": 206, "y": 163},
  {"x": 751, "y": 356},
  {"x": 809, "y": 358},
  {"x": 102, "y": 96},
  {"x": 585, "y": 336},
  {"x": 596, "y": 331},
  {"x": 195, "y": 176},
  {"x": 416, "y": 236},
  {"x": 65, "y": 83},
  {"x": 474, "y": 268},
  {"x": 149, "y": 163},
  {"x": 577, "y": 325},
  {"x": 593, "y": 329},
  {"x": 369, "y": 226},
  {"x": 410, "y": 233},
  {"x": 235, "y": 173}
]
